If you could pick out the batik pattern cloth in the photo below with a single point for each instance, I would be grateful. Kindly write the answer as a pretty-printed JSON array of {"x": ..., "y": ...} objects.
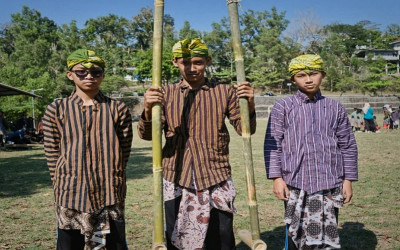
[
  {"x": 94, "y": 226},
  {"x": 312, "y": 219},
  {"x": 194, "y": 211}
]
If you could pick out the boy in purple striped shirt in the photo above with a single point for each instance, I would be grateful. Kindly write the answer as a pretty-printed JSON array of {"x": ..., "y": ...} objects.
[{"x": 311, "y": 154}]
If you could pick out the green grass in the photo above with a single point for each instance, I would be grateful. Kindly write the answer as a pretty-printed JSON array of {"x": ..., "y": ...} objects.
[{"x": 370, "y": 221}]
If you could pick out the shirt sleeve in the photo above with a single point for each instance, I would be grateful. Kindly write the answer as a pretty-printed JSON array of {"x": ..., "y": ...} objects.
[
  {"x": 144, "y": 128},
  {"x": 273, "y": 142},
  {"x": 51, "y": 138},
  {"x": 347, "y": 145},
  {"x": 234, "y": 114},
  {"x": 124, "y": 132}
]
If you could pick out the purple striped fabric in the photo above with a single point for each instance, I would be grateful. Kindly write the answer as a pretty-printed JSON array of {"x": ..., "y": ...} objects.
[
  {"x": 310, "y": 144},
  {"x": 197, "y": 139},
  {"x": 87, "y": 149}
]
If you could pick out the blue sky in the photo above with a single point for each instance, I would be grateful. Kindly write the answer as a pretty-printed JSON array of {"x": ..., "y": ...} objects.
[{"x": 200, "y": 16}]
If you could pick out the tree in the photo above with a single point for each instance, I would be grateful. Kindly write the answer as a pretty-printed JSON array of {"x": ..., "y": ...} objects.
[
  {"x": 142, "y": 27},
  {"x": 169, "y": 71},
  {"x": 391, "y": 34},
  {"x": 220, "y": 48},
  {"x": 69, "y": 39},
  {"x": 143, "y": 63},
  {"x": 307, "y": 31},
  {"x": 113, "y": 83},
  {"x": 346, "y": 72},
  {"x": 268, "y": 54},
  {"x": 6, "y": 41},
  {"x": 254, "y": 22},
  {"x": 110, "y": 37},
  {"x": 353, "y": 35},
  {"x": 335, "y": 57},
  {"x": 30, "y": 41},
  {"x": 377, "y": 79},
  {"x": 142, "y": 57},
  {"x": 393, "y": 30},
  {"x": 110, "y": 31},
  {"x": 188, "y": 32},
  {"x": 270, "y": 63}
]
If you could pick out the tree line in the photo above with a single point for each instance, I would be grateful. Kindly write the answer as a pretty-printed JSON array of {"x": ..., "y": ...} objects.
[{"x": 33, "y": 51}]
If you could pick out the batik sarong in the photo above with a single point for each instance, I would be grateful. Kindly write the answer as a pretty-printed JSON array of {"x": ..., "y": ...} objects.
[
  {"x": 312, "y": 219},
  {"x": 194, "y": 211},
  {"x": 94, "y": 226}
]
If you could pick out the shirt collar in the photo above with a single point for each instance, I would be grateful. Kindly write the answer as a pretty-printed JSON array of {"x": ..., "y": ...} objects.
[
  {"x": 184, "y": 85},
  {"x": 99, "y": 98},
  {"x": 304, "y": 98}
]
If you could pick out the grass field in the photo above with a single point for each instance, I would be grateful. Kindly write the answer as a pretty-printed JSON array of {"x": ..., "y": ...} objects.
[{"x": 370, "y": 221}]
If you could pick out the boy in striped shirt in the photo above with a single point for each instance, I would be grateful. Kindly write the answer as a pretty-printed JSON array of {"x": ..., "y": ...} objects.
[
  {"x": 198, "y": 188},
  {"x": 87, "y": 140},
  {"x": 311, "y": 154}
]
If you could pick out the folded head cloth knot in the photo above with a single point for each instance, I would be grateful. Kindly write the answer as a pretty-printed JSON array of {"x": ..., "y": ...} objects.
[
  {"x": 189, "y": 48},
  {"x": 86, "y": 58},
  {"x": 305, "y": 63}
]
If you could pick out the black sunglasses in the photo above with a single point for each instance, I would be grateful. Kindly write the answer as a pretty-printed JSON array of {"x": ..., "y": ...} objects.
[{"x": 83, "y": 73}]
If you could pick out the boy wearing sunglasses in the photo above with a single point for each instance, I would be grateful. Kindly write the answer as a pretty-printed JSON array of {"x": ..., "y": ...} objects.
[{"x": 87, "y": 140}]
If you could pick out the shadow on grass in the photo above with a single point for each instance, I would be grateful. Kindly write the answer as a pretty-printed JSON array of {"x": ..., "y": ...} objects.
[
  {"x": 23, "y": 175},
  {"x": 352, "y": 236},
  {"x": 26, "y": 174},
  {"x": 140, "y": 163}
]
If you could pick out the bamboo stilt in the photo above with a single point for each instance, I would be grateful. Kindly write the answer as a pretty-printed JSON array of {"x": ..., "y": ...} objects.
[
  {"x": 158, "y": 213},
  {"x": 255, "y": 242},
  {"x": 245, "y": 236}
]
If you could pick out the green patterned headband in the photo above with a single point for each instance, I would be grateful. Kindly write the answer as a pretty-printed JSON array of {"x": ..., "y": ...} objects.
[
  {"x": 86, "y": 58},
  {"x": 189, "y": 48}
]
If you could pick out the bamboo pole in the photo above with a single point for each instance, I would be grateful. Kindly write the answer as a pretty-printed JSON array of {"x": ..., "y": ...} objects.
[
  {"x": 158, "y": 213},
  {"x": 255, "y": 242}
]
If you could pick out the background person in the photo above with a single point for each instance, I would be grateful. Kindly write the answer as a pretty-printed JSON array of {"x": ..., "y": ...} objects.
[
  {"x": 358, "y": 120},
  {"x": 369, "y": 123},
  {"x": 395, "y": 118},
  {"x": 3, "y": 128},
  {"x": 355, "y": 119},
  {"x": 386, "y": 119}
]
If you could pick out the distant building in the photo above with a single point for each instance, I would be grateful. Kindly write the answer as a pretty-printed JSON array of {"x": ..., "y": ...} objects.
[
  {"x": 392, "y": 56},
  {"x": 396, "y": 44},
  {"x": 128, "y": 77}
]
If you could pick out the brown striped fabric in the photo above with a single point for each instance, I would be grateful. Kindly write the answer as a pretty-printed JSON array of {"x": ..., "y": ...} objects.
[
  {"x": 87, "y": 148},
  {"x": 197, "y": 139}
]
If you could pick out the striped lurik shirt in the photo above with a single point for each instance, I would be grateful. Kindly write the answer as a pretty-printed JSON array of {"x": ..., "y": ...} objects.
[
  {"x": 310, "y": 143},
  {"x": 197, "y": 139},
  {"x": 87, "y": 149}
]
